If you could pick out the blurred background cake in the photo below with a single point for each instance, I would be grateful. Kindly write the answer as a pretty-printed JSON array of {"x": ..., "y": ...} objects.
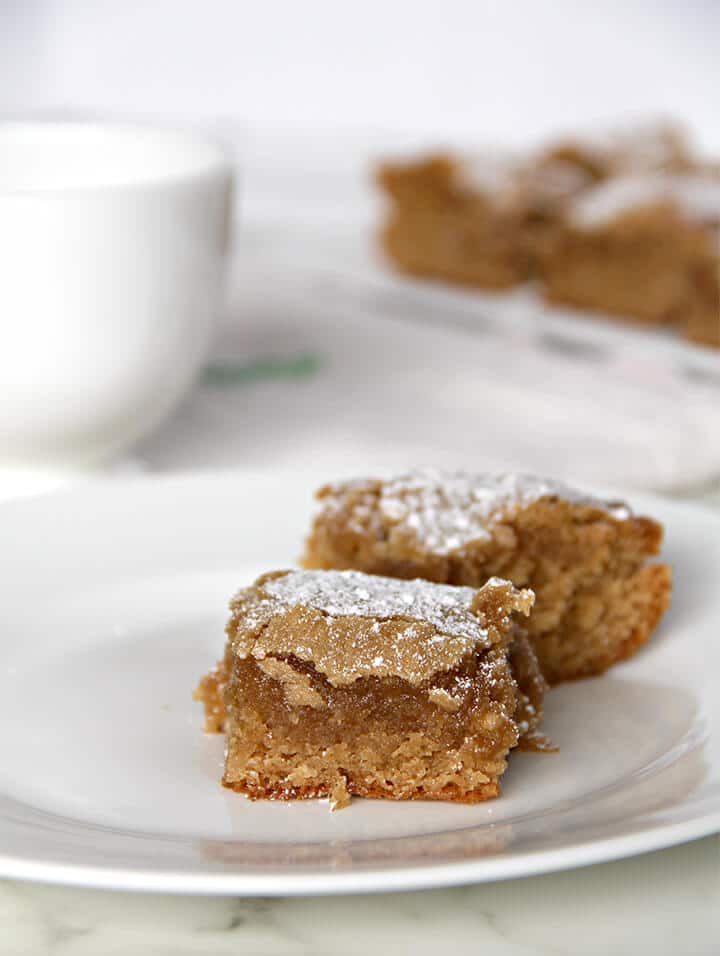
[
  {"x": 468, "y": 220},
  {"x": 625, "y": 224}
]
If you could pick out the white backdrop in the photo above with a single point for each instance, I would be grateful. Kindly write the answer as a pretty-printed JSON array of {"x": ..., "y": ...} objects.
[{"x": 508, "y": 71}]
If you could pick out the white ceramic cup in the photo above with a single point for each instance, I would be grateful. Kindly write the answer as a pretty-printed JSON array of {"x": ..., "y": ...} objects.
[{"x": 113, "y": 241}]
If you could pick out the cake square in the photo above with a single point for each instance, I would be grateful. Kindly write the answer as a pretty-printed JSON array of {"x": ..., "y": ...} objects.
[
  {"x": 486, "y": 218},
  {"x": 336, "y": 683},
  {"x": 642, "y": 248},
  {"x": 597, "y": 597},
  {"x": 455, "y": 221}
]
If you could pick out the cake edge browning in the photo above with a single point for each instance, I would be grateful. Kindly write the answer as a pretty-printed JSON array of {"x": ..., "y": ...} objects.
[
  {"x": 660, "y": 589},
  {"x": 340, "y": 795}
]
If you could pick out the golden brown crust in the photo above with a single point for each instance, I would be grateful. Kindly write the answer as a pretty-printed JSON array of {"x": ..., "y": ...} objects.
[
  {"x": 449, "y": 793},
  {"x": 268, "y": 617}
]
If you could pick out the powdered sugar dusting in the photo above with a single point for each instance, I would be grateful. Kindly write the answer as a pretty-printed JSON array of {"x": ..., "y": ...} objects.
[
  {"x": 444, "y": 511},
  {"x": 553, "y": 181},
  {"x": 351, "y": 625},
  {"x": 491, "y": 172},
  {"x": 634, "y": 147},
  {"x": 697, "y": 197},
  {"x": 353, "y": 594}
]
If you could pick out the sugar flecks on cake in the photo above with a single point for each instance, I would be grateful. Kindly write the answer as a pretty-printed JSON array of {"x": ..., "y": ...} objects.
[
  {"x": 445, "y": 510},
  {"x": 598, "y": 595},
  {"x": 352, "y": 625},
  {"x": 697, "y": 198},
  {"x": 354, "y": 594}
]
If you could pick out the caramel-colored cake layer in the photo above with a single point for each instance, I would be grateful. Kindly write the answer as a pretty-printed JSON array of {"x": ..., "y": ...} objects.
[
  {"x": 335, "y": 684},
  {"x": 597, "y": 598},
  {"x": 440, "y": 229},
  {"x": 647, "y": 263}
]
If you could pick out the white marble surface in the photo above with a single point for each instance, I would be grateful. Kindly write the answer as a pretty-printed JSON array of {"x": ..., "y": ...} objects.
[{"x": 661, "y": 903}]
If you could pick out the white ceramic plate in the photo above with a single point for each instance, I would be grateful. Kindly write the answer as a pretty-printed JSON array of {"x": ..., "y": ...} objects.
[{"x": 112, "y": 605}]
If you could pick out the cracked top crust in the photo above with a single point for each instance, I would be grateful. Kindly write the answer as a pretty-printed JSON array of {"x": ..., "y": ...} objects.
[
  {"x": 351, "y": 625},
  {"x": 441, "y": 512}
]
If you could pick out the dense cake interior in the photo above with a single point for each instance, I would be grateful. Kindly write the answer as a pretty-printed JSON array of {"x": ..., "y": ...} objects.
[{"x": 374, "y": 737}]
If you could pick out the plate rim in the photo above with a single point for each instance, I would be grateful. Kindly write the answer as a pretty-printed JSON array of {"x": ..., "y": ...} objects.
[
  {"x": 248, "y": 881},
  {"x": 367, "y": 880}
]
